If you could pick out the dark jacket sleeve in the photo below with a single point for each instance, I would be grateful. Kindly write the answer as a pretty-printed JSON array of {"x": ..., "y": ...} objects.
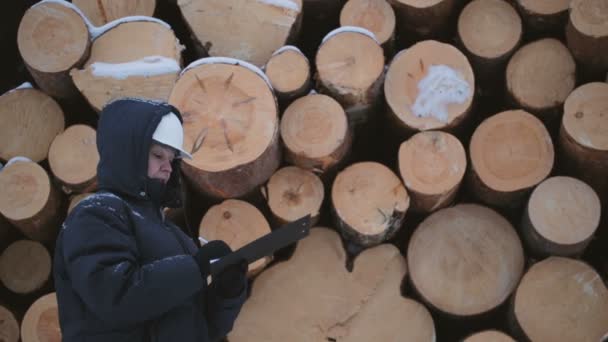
[
  {"x": 100, "y": 254},
  {"x": 221, "y": 312}
]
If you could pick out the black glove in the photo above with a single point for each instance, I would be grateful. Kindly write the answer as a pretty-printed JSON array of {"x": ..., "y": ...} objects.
[
  {"x": 213, "y": 250},
  {"x": 231, "y": 281}
]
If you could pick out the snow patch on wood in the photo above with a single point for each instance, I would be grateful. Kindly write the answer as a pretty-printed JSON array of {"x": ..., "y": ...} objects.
[
  {"x": 286, "y": 48},
  {"x": 355, "y": 29},
  {"x": 18, "y": 159},
  {"x": 441, "y": 87},
  {"x": 24, "y": 85},
  {"x": 146, "y": 67},
  {"x": 231, "y": 61},
  {"x": 288, "y": 4}
]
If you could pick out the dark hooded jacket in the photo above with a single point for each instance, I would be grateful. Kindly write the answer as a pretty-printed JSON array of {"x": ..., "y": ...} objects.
[{"x": 122, "y": 272}]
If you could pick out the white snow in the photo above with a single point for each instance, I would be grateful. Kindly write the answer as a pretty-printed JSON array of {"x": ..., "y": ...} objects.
[
  {"x": 439, "y": 88},
  {"x": 288, "y": 4},
  {"x": 147, "y": 66},
  {"x": 285, "y": 48},
  {"x": 18, "y": 159},
  {"x": 1, "y": 166},
  {"x": 25, "y": 85},
  {"x": 356, "y": 29},
  {"x": 228, "y": 60}
]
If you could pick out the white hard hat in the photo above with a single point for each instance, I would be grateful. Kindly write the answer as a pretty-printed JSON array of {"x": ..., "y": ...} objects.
[{"x": 170, "y": 132}]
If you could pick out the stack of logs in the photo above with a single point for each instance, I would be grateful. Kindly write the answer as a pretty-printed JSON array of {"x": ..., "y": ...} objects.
[{"x": 453, "y": 155}]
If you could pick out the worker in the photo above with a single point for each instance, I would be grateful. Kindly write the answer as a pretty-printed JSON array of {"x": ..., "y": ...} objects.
[{"x": 122, "y": 271}]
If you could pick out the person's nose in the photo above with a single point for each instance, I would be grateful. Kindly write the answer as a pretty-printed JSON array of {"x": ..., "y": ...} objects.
[{"x": 167, "y": 166}]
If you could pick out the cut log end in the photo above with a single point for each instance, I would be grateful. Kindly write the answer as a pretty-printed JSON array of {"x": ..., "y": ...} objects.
[
  {"x": 589, "y": 17},
  {"x": 73, "y": 158},
  {"x": 369, "y": 203},
  {"x": 237, "y": 223},
  {"x": 585, "y": 117},
  {"x": 415, "y": 81},
  {"x": 30, "y": 121},
  {"x": 544, "y": 307},
  {"x": 9, "y": 327},
  {"x": 288, "y": 71},
  {"x": 377, "y": 16},
  {"x": 41, "y": 321},
  {"x": 553, "y": 79},
  {"x": 293, "y": 192},
  {"x": 432, "y": 165},
  {"x": 315, "y": 131},
  {"x": 511, "y": 151},
  {"x": 25, "y": 266},
  {"x": 489, "y": 336},
  {"x": 465, "y": 260},
  {"x": 27, "y": 188},
  {"x": 489, "y": 28},
  {"x": 101, "y": 12}
]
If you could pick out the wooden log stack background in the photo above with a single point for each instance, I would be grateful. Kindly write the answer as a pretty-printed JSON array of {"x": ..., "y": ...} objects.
[{"x": 452, "y": 153}]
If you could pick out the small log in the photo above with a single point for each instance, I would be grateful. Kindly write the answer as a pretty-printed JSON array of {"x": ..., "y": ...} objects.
[
  {"x": 30, "y": 201},
  {"x": 350, "y": 68},
  {"x": 292, "y": 193},
  {"x": 432, "y": 165},
  {"x": 555, "y": 290},
  {"x": 415, "y": 83},
  {"x": 316, "y": 133},
  {"x": 418, "y": 20},
  {"x": 584, "y": 136},
  {"x": 543, "y": 91},
  {"x": 465, "y": 260},
  {"x": 257, "y": 28},
  {"x": 53, "y": 38},
  {"x": 490, "y": 31},
  {"x": 369, "y": 203},
  {"x": 489, "y": 336},
  {"x": 30, "y": 121},
  {"x": 41, "y": 321},
  {"x": 73, "y": 159},
  {"x": 511, "y": 152},
  {"x": 101, "y": 12},
  {"x": 333, "y": 304},
  {"x": 288, "y": 70},
  {"x": 237, "y": 223},
  {"x": 544, "y": 17},
  {"x": 9, "y": 326},
  {"x": 25, "y": 266},
  {"x": 231, "y": 126},
  {"x": 561, "y": 217},
  {"x": 377, "y": 16},
  {"x": 75, "y": 199},
  {"x": 587, "y": 35}
]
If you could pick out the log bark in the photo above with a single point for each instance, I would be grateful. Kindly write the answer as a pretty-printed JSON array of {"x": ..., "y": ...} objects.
[
  {"x": 369, "y": 203},
  {"x": 490, "y": 31},
  {"x": 489, "y": 336},
  {"x": 334, "y": 304},
  {"x": 543, "y": 91},
  {"x": 231, "y": 127},
  {"x": 9, "y": 326},
  {"x": 561, "y": 217},
  {"x": 289, "y": 73},
  {"x": 73, "y": 159},
  {"x": 135, "y": 57},
  {"x": 377, "y": 16},
  {"x": 584, "y": 136},
  {"x": 414, "y": 83},
  {"x": 101, "y": 12},
  {"x": 316, "y": 133},
  {"x": 511, "y": 152},
  {"x": 350, "y": 68},
  {"x": 52, "y": 39},
  {"x": 292, "y": 193},
  {"x": 432, "y": 166},
  {"x": 25, "y": 266},
  {"x": 30, "y": 201},
  {"x": 237, "y": 223},
  {"x": 543, "y": 307},
  {"x": 544, "y": 17},
  {"x": 41, "y": 321},
  {"x": 257, "y": 28},
  {"x": 587, "y": 35},
  {"x": 30, "y": 122},
  {"x": 465, "y": 260},
  {"x": 422, "y": 19}
]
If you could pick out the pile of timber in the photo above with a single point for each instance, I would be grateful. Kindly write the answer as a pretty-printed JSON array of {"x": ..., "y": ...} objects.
[{"x": 453, "y": 156}]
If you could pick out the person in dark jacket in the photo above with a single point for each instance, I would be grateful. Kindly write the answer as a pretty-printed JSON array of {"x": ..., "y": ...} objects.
[{"x": 122, "y": 271}]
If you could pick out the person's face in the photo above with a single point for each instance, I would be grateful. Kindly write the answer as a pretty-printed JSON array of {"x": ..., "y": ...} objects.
[{"x": 159, "y": 162}]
